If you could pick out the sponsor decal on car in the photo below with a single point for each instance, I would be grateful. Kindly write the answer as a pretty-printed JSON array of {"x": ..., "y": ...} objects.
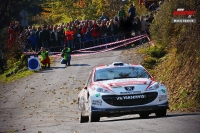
[
  {"x": 97, "y": 102},
  {"x": 133, "y": 92},
  {"x": 132, "y": 110},
  {"x": 131, "y": 97},
  {"x": 162, "y": 97},
  {"x": 127, "y": 83},
  {"x": 129, "y": 88},
  {"x": 163, "y": 90},
  {"x": 97, "y": 95}
]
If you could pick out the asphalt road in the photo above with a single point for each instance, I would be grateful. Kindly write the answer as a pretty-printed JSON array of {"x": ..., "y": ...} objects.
[{"x": 47, "y": 102}]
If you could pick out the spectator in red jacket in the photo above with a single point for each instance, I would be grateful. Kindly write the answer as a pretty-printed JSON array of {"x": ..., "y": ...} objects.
[
  {"x": 84, "y": 29},
  {"x": 11, "y": 40},
  {"x": 70, "y": 37},
  {"x": 11, "y": 29},
  {"x": 95, "y": 29}
]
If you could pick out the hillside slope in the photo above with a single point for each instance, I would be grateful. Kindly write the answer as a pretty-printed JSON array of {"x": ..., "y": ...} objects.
[{"x": 179, "y": 70}]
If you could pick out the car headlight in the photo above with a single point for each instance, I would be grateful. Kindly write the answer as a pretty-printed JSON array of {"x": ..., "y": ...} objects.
[
  {"x": 102, "y": 90},
  {"x": 154, "y": 86}
]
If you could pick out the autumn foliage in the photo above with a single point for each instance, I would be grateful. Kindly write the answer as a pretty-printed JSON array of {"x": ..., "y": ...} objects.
[{"x": 179, "y": 69}]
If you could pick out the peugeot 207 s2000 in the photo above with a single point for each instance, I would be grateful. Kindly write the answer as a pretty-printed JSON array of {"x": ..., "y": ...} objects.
[{"x": 120, "y": 89}]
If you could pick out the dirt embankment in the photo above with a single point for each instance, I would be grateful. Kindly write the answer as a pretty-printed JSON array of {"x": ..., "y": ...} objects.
[{"x": 179, "y": 71}]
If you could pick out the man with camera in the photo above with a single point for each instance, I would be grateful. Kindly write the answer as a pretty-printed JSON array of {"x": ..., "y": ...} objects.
[{"x": 66, "y": 54}]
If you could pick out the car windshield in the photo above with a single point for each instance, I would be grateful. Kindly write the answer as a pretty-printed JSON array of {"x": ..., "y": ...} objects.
[{"x": 120, "y": 73}]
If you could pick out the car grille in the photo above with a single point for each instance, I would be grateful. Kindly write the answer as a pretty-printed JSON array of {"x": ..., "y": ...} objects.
[{"x": 130, "y": 100}]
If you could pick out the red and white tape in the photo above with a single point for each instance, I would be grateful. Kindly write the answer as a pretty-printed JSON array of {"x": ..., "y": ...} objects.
[{"x": 105, "y": 50}]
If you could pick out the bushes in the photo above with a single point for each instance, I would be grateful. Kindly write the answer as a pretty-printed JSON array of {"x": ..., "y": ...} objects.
[{"x": 153, "y": 55}]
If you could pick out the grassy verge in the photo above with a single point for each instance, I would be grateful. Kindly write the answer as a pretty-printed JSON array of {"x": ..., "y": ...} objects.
[
  {"x": 21, "y": 73},
  {"x": 177, "y": 75},
  {"x": 14, "y": 77}
]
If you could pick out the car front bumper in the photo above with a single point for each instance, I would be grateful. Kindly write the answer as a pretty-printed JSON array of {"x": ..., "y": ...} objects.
[{"x": 130, "y": 110}]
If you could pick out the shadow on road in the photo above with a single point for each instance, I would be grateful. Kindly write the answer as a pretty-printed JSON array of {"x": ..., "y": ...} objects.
[
  {"x": 46, "y": 70},
  {"x": 80, "y": 65},
  {"x": 152, "y": 117}
]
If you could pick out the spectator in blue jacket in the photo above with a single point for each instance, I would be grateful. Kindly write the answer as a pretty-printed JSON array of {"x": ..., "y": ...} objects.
[
  {"x": 33, "y": 41},
  {"x": 104, "y": 17},
  {"x": 88, "y": 38},
  {"x": 132, "y": 11}
]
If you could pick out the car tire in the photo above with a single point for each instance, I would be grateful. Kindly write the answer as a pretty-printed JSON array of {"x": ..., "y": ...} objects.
[
  {"x": 161, "y": 113},
  {"x": 92, "y": 117},
  {"x": 82, "y": 119},
  {"x": 144, "y": 115}
]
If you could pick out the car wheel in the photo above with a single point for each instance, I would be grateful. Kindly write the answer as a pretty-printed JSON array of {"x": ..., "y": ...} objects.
[
  {"x": 82, "y": 119},
  {"x": 92, "y": 117},
  {"x": 144, "y": 115},
  {"x": 161, "y": 113}
]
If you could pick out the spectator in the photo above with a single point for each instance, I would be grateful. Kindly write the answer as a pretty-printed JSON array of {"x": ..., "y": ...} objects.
[
  {"x": 54, "y": 40},
  {"x": 104, "y": 17},
  {"x": 11, "y": 29},
  {"x": 121, "y": 25},
  {"x": 34, "y": 30},
  {"x": 33, "y": 41},
  {"x": 66, "y": 52},
  {"x": 18, "y": 28},
  {"x": 45, "y": 60},
  {"x": 88, "y": 38},
  {"x": 37, "y": 35},
  {"x": 83, "y": 31},
  {"x": 79, "y": 36},
  {"x": 121, "y": 13},
  {"x": 127, "y": 27},
  {"x": 28, "y": 31},
  {"x": 132, "y": 11},
  {"x": 112, "y": 31},
  {"x": 95, "y": 33},
  {"x": 70, "y": 37},
  {"x": 74, "y": 28},
  {"x": 144, "y": 26},
  {"x": 137, "y": 27},
  {"x": 153, "y": 7},
  {"x": 103, "y": 33},
  {"x": 61, "y": 36},
  {"x": 150, "y": 18},
  {"x": 25, "y": 42},
  {"x": 116, "y": 18},
  {"x": 11, "y": 41},
  {"x": 49, "y": 30},
  {"x": 43, "y": 36}
]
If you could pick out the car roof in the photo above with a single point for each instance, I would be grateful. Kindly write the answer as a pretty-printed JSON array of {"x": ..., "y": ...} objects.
[{"x": 117, "y": 64}]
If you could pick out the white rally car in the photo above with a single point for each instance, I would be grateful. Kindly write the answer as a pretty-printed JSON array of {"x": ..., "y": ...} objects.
[{"x": 120, "y": 89}]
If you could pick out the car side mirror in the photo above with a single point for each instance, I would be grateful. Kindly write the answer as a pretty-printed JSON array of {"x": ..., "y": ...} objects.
[
  {"x": 151, "y": 78},
  {"x": 85, "y": 87}
]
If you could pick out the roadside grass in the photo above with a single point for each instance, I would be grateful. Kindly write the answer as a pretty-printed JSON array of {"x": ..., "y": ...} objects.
[
  {"x": 163, "y": 65},
  {"x": 22, "y": 73},
  {"x": 14, "y": 77},
  {"x": 152, "y": 56}
]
